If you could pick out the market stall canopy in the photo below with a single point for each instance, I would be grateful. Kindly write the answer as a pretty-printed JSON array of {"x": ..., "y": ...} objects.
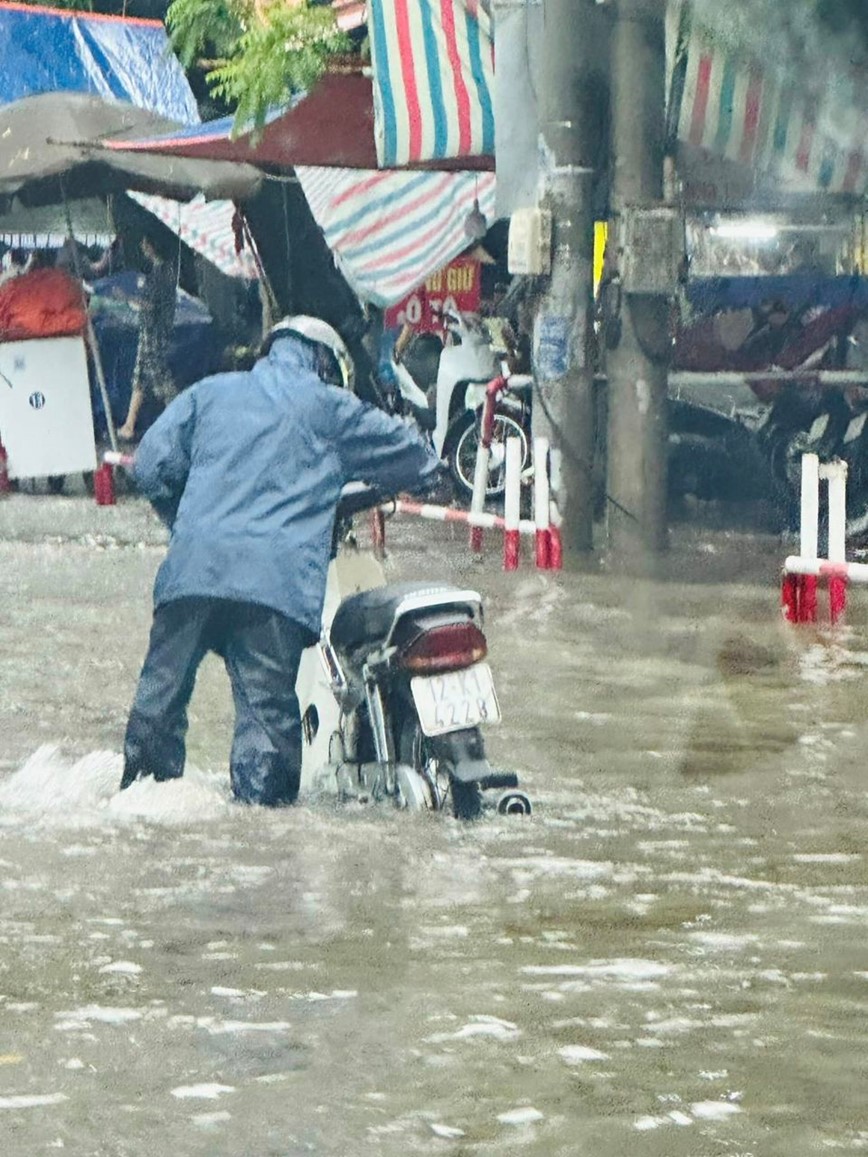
[
  {"x": 113, "y": 57},
  {"x": 209, "y": 228},
  {"x": 47, "y": 227},
  {"x": 389, "y": 231},
  {"x": 333, "y": 124},
  {"x": 53, "y": 148}
]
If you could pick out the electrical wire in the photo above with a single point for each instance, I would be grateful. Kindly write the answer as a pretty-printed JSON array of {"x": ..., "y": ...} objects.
[{"x": 566, "y": 445}]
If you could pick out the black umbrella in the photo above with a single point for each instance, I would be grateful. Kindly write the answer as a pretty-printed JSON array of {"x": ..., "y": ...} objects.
[{"x": 51, "y": 149}]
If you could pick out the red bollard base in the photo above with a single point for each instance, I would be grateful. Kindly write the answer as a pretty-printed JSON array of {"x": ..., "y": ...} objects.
[
  {"x": 807, "y": 592},
  {"x": 476, "y": 539},
  {"x": 543, "y": 544},
  {"x": 511, "y": 549},
  {"x": 837, "y": 597},
  {"x": 790, "y": 597},
  {"x": 104, "y": 485},
  {"x": 556, "y": 549}
]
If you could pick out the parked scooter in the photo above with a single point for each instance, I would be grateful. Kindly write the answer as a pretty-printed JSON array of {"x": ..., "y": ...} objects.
[
  {"x": 394, "y": 695},
  {"x": 450, "y": 410}
]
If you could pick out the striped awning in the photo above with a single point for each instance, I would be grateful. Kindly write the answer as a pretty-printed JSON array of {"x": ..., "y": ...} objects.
[
  {"x": 390, "y": 231},
  {"x": 735, "y": 108},
  {"x": 433, "y": 63},
  {"x": 206, "y": 226}
]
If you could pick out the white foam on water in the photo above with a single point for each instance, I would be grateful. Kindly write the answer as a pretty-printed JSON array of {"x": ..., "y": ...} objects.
[
  {"x": 122, "y": 968},
  {"x": 99, "y": 1013},
  {"x": 645, "y": 1124},
  {"x": 826, "y": 857},
  {"x": 625, "y": 970},
  {"x": 581, "y": 1054},
  {"x": 55, "y": 790},
  {"x": 526, "y": 1115},
  {"x": 51, "y": 786},
  {"x": 204, "y": 1092},
  {"x": 217, "y": 1027},
  {"x": 32, "y": 1100},
  {"x": 713, "y": 1110},
  {"x": 480, "y": 1026},
  {"x": 209, "y": 1120},
  {"x": 679, "y": 1118},
  {"x": 447, "y": 1132},
  {"x": 722, "y": 941}
]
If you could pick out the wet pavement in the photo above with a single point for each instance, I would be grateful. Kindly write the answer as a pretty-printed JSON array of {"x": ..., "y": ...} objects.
[{"x": 668, "y": 958}]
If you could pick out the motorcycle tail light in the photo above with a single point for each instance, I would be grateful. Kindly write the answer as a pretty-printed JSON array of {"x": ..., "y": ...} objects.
[{"x": 445, "y": 648}]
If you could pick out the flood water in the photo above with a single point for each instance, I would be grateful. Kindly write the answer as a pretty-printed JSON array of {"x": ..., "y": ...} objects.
[{"x": 667, "y": 959}]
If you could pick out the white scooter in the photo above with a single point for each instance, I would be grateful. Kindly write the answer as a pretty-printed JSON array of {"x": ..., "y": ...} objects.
[
  {"x": 394, "y": 694},
  {"x": 467, "y": 363}
]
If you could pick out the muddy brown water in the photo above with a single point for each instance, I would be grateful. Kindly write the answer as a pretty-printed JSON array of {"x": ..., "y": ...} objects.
[{"x": 669, "y": 958}]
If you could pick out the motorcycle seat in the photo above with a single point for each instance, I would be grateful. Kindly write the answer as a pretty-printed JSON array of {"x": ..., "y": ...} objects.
[{"x": 368, "y": 616}]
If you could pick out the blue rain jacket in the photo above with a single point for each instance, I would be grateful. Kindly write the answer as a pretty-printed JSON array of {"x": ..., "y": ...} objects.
[{"x": 247, "y": 468}]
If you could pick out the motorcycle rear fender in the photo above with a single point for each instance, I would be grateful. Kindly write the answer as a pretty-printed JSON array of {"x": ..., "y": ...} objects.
[{"x": 465, "y": 752}]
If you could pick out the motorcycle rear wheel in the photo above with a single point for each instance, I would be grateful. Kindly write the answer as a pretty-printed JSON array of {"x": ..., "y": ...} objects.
[{"x": 415, "y": 749}]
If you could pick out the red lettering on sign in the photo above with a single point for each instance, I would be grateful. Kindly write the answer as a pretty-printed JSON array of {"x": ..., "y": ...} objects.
[{"x": 455, "y": 288}]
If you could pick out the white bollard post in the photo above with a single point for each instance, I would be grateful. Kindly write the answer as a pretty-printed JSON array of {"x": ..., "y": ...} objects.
[
  {"x": 836, "y": 472},
  {"x": 512, "y": 505},
  {"x": 810, "y": 517},
  {"x": 541, "y": 501},
  {"x": 805, "y": 592}
]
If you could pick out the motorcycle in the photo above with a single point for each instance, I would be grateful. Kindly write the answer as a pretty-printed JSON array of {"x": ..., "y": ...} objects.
[
  {"x": 449, "y": 410},
  {"x": 394, "y": 694}
]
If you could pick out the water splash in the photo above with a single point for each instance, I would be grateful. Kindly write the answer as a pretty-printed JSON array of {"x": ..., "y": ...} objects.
[{"x": 52, "y": 789}]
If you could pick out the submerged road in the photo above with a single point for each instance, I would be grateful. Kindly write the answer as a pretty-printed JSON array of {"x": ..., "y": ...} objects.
[{"x": 668, "y": 959}]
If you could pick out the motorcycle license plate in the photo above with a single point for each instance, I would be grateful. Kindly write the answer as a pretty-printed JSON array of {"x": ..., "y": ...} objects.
[{"x": 455, "y": 700}]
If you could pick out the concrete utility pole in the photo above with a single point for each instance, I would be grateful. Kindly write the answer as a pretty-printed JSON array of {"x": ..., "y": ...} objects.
[
  {"x": 572, "y": 103},
  {"x": 643, "y": 257}
]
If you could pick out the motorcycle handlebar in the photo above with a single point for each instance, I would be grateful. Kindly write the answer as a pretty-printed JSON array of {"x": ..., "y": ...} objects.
[{"x": 356, "y": 497}]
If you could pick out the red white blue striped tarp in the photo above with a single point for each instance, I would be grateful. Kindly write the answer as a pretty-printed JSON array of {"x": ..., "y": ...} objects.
[
  {"x": 738, "y": 109},
  {"x": 389, "y": 231},
  {"x": 433, "y": 63},
  {"x": 206, "y": 226}
]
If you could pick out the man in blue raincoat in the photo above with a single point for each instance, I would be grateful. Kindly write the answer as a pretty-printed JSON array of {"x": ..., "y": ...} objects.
[{"x": 247, "y": 469}]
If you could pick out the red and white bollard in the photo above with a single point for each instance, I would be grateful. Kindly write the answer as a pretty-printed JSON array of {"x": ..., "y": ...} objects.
[
  {"x": 836, "y": 474},
  {"x": 802, "y": 571},
  {"x": 483, "y": 453},
  {"x": 512, "y": 505},
  {"x": 104, "y": 485},
  {"x": 542, "y": 503}
]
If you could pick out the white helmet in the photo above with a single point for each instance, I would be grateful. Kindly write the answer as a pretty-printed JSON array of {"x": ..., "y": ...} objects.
[{"x": 316, "y": 332}]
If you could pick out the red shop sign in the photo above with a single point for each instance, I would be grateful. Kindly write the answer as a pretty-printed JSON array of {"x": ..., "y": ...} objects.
[{"x": 454, "y": 289}]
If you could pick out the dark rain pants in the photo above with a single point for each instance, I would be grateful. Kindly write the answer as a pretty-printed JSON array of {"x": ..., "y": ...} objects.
[{"x": 261, "y": 649}]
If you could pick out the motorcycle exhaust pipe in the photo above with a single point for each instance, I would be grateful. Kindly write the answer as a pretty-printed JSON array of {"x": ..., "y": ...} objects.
[{"x": 514, "y": 803}]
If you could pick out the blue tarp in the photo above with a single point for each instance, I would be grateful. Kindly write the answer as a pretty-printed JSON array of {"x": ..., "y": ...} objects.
[
  {"x": 797, "y": 291},
  {"x": 47, "y": 50}
]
